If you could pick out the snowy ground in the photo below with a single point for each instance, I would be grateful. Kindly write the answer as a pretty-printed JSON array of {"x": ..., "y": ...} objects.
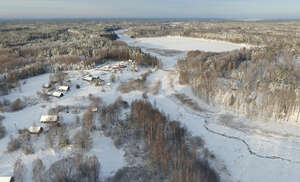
[
  {"x": 250, "y": 150},
  {"x": 245, "y": 150}
]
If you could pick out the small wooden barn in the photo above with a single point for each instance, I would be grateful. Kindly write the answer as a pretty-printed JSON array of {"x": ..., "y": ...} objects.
[
  {"x": 51, "y": 119},
  {"x": 35, "y": 130},
  {"x": 7, "y": 179}
]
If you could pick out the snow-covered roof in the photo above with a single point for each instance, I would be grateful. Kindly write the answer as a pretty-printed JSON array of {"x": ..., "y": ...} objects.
[
  {"x": 49, "y": 118},
  {"x": 63, "y": 88},
  {"x": 35, "y": 129},
  {"x": 94, "y": 109},
  {"x": 88, "y": 78},
  {"x": 57, "y": 94},
  {"x": 106, "y": 68},
  {"x": 6, "y": 179}
]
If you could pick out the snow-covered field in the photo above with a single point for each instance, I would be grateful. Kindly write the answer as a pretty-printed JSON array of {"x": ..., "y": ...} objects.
[{"x": 245, "y": 150}]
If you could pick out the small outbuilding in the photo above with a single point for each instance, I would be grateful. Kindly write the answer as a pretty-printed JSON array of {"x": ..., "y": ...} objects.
[
  {"x": 57, "y": 94},
  {"x": 94, "y": 109},
  {"x": 116, "y": 67},
  {"x": 106, "y": 68},
  {"x": 35, "y": 130},
  {"x": 7, "y": 179},
  {"x": 90, "y": 78},
  {"x": 63, "y": 88},
  {"x": 49, "y": 119}
]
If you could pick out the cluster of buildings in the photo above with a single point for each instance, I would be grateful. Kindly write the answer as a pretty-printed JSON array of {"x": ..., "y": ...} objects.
[{"x": 59, "y": 92}]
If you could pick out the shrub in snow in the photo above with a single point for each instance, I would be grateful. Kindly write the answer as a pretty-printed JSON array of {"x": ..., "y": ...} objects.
[
  {"x": 2, "y": 130},
  {"x": 82, "y": 140},
  {"x": 88, "y": 121},
  {"x": 27, "y": 148},
  {"x": 43, "y": 95},
  {"x": 112, "y": 78},
  {"x": 17, "y": 105},
  {"x": 63, "y": 136},
  {"x": 19, "y": 170},
  {"x": 49, "y": 140},
  {"x": 13, "y": 145},
  {"x": 59, "y": 77},
  {"x": 38, "y": 170}
]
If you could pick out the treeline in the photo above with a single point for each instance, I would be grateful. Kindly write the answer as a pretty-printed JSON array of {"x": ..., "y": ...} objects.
[{"x": 258, "y": 82}]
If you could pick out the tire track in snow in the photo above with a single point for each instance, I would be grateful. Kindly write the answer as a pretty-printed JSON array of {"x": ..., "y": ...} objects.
[{"x": 248, "y": 146}]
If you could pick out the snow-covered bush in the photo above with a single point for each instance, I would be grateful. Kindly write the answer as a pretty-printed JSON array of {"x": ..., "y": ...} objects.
[
  {"x": 19, "y": 170},
  {"x": 88, "y": 121},
  {"x": 82, "y": 140},
  {"x": 38, "y": 170},
  {"x": 2, "y": 130},
  {"x": 63, "y": 136},
  {"x": 27, "y": 148},
  {"x": 13, "y": 145},
  {"x": 17, "y": 105}
]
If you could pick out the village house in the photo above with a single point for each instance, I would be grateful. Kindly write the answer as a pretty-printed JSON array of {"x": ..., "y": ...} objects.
[
  {"x": 63, "y": 88},
  {"x": 52, "y": 119},
  {"x": 7, "y": 179},
  {"x": 57, "y": 94},
  {"x": 106, "y": 68},
  {"x": 35, "y": 130},
  {"x": 90, "y": 78}
]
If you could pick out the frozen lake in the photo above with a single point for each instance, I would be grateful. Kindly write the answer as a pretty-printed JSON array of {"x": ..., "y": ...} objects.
[{"x": 187, "y": 44}]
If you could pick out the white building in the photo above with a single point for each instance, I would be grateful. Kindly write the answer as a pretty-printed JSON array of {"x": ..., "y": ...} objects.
[
  {"x": 49, "y": 119},
  {"x": 63, "y": 88},
  {"x": 58, "y": 94}
]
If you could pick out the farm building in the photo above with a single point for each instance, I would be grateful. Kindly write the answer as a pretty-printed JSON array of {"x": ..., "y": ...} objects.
[
  {"x": 106, "y": 68},
  {"x": 57, "y": 94},
  {"x": 63, "y": 88},
  {"x": 90, "y": 78},
  {"x": 49, "y": 119},
  {"x": 7, "y": 179},
  {"x": 35, "y": 130}
]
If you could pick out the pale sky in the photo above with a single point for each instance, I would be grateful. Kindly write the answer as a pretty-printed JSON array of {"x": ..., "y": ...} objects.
[{"x": 271, "y": 9}]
